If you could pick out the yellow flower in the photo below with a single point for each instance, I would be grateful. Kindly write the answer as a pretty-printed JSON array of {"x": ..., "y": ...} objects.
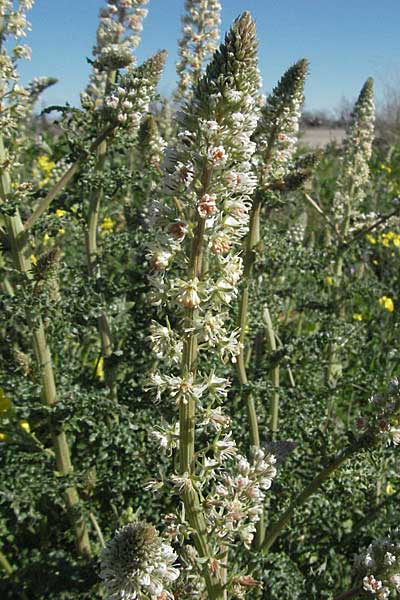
[
  {"x": 33, "y": 259},
  {"x": 61, "y": 231},
  {"x": 370, "y": 238},
  {"x": 46, "y": 167},
  {"x": 390, "y": 490},
  {"x": 386, "y": 168},
  {"x": 3, "y": 437},
  {"x": 107, "y": 225},
  {"x": 387, "y": 303},
  {"x": 45, "y": 164},
  {"x": 358, "y": 317},
  {"x": 25, "y": 426},
  {"x": 5, "y": 403},
  {"x": 396, "y": 241},
  {"x": 385, "y": 240},
  {"x": 100, "y": 369},
  {"x": 375, "y": 261},
  {"x": 329, "y": 280},
  {"x": 60, "y": 212}
]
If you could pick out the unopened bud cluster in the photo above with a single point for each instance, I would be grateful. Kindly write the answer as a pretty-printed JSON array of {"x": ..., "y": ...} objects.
[
  {"x": 129, "y": 100},
  {"x": 384, "y": 422},
  {"x": 277, "y": 131},
  {"x": 354, "y": 173}
]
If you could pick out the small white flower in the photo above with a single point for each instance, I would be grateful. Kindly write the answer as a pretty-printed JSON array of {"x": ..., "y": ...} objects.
[
  {"x": 370, "y": 584},
  {"x": 217, "y": 155},
  {"x": 188, "y": 294}
]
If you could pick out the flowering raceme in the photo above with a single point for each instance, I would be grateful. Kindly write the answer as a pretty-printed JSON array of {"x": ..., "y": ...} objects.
[
  {"x": 196, "y": 268},
  {"x": 200, "y": 34},
  {"x": 118, "y": 34},
  {"x": 357, "y": 150}
]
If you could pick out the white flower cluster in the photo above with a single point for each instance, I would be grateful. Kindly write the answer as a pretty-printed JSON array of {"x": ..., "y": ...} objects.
[
  {"x": 130, "y": 99},
  {"x": 385, "y": 420},
  {"x": 138, "y": 565},
  {"x": 379, "y": 567},
  {"x": 277, "y": 131},
  {"x": 239, "y": 495},
  {"x": 235, "y": 490},
  {"x": 14, "y": 99},
  {"x": 200, "y": 27},
  {"x": 357, "y": 150},
  {"x": 118, "y": 34}
]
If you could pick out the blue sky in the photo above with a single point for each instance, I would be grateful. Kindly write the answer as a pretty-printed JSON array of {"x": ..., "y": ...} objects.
[{"x": 345, "y": 41}]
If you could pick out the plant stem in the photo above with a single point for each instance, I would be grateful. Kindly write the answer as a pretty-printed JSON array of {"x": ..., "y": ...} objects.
[
  {"x": 353, "y": 593},
  {"x": 7, "y": 567},
  {"x": 193, "y": 507},
  {"x": 66, "y": 178},
  {"x": 275, "y": 376},
  {"x": 252, "y": 240},
  {"x": 275, "y": 530},
  {"x": 334, "y": 361},
  {"x": 5, "y": 564},
  {"x": 17, "y": 238},
  {"x": 97, "y": 529},
  {"x": 96, "y": 198}
]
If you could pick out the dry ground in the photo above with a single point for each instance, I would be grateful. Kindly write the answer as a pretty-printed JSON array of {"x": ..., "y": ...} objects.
[{"x": 316, "y": 137}]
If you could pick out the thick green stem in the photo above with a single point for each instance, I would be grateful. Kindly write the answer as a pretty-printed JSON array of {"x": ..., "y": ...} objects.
[
  {"x": 4, "y": 563},
  {"x": 353, "y": 593},
  {"x": 7, "y": 567},
  {"x": 92, "y": 255},
  {"x": 275, "y": 376},
  {"x": 17, "y": 238},
  {"x": 193, "y": 508},
  {"x": 275, "y": 530},
  {"x": 334, "y": 360},
  {"x": 253, "y": 238}
]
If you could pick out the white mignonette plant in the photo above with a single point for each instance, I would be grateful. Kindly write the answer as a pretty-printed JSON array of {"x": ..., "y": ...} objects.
[
  {"x": 196, "y": 269},
  {"x": 354, "y": 173},
  {"x": 200, "y": 28},
  {"x": 118, "y": 34}
]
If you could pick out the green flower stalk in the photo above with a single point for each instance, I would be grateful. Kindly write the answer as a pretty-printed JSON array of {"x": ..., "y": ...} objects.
[
  {"x": 276, "y": 137},
  {"x": 200, "y": 26},
  {"x": 208, "y": 184},
  {"x": 14, "y": 22},
  {"x": 124, "y": 103},
  {"x": 350, "y": 191}
]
